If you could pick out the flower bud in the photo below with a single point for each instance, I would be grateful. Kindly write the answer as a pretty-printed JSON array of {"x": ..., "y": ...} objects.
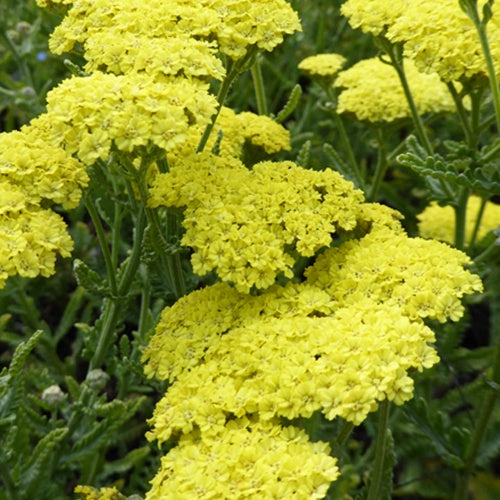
[
  {"x": 28, "y": 92},
  {"x": 23, "y": 27},
  {"x": 53, "y": 396},
  {"x": 97, "y": 379}
]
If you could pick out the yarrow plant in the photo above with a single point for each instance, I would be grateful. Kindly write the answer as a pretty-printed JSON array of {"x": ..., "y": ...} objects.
[{"x": 257, "y": 303}]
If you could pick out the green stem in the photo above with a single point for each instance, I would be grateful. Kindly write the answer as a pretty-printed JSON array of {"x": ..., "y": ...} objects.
[
  {"x": 101, "y": 236},
  {"x": 477, "y": 438},
  {"x": 460, "y": 218},
  {"x": 480, "y": 25},
  {"x": 378, "y": 466},
  {"x": 479, "y": 218},
  {"x": 462, "y": 112},
  {"x": 344, "y": 138},
  {"x": 492, "y": 248},
  {"x": 341, "y": 439},
  {"x": 381, "y": 167},
  {"x": 395, "y": 53},
  {"x": 260, "y": 90},
  {"x": 112, "y": 309},
  {"x": 234, "y": 69}
]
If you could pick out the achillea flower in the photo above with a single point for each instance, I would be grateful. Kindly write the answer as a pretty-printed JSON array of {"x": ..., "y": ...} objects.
[
  {"x": 373, "y": 16},
  {"x": 372, "y": 91},
  {"x": 237, "y": 130},
  {"x": 247, "y": 459},
  {"x": 245, "y": 225},
  {"x": 88, "y": 114},
  {"x": 439, "y": 222},
  {"x": 30, "y": 237},
  {"x": 40, "y": 170},
  {"x": 424, "y": 278},
  {"x": 323, "y": 65},
  {"x": 99, "y": 494},
  {"x": 444, "y": 40},
  {"x": 235, "y": 26}
]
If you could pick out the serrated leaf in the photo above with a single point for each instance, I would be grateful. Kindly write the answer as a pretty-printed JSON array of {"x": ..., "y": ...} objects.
[
  {"x": 36, "y": 468},
  {"x": 304, "y": 154},
  {"x": 88, "y": 278},
  {"x": 290, "y": 105}
]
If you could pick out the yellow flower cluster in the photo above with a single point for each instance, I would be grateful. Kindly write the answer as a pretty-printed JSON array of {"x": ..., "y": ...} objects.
[
  {"x": 439, "y": 222},
  {"x": 40, "y": 170},
  {"x": 444, "y": 40},
  {"x": 424, "y": 278},
  {"x": 30, "y": 237},
  {"x": 99, "y": 494},
  {"x": 372, "y": 91},
  {"x": 283, "y": 352},
  {"x": 247, "y": 459},
  {"x": 247, "y": 225},
  {"x": 90, "y": 113},
  {"x": 238, "y": 130},
  {"x": 322, "y": 65},
  {"x": 34, "y": 174},
  {"x": 373, "y": 16},
  {"x": 134, "y": 29}
]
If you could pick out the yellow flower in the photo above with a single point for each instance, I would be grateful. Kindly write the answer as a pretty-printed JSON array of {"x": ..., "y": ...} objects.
[
  {"x": 372, "y": 91},
  {"x": 444, "y": 40},
  {"x": 99, "y": 494},
  {"x": 245, "y": 224},
  {"x": 323, "y": 65},
  {"x": 439, "y": 222},
  {"x": 246, "y": 459}
]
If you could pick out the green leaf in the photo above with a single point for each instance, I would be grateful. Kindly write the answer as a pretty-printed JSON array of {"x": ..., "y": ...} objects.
[
  {"x": 304, "y": 155},
  {"x": 88, "y": 278},
  {"x": 38, "y": 467},
  {"x": 127, "y": 462},
  {"x": 290, "y": 105}
]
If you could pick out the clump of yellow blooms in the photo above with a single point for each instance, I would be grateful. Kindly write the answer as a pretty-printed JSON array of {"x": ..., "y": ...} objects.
[
  {"x": 247, "y": 459},
  {"x": 247, "y": 224},
  {"x": 92, "y": 113},
  {"x": 236, "y": 131},
  {"x": 439, "y": 222},
  {"x": 444, "y": 40},
  {"x": 323, "y": 65},
  {"x": 124, "y": 24},
  {"x": 339, "y": 342},
  {"x": 372, "y": 91},
  {"x": 373, "y": 16},
  {"x": 440, "y": 40},
  {"x": 106, "y": 493},
  {"x": 30, "y": 236},
  {"x": 40, "y": 170}
]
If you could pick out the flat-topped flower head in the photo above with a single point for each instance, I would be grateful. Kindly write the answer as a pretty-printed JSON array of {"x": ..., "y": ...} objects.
[
  {"x": 235, "y": 26},
  {"x": 41, "y": 170},
  {"x": 89, "y": 114},
  {"x": 439, "y": 222},
  {"x": 372, "y": 91},
  {"x": 30, "y": 237},
  {"x": 443, "y": 39},
  {"x": 373, "y": 16},
  {"x": 247, "y": 459},
  {"x": 323, "y": 65},
  {"x": 245, "y": 224}
]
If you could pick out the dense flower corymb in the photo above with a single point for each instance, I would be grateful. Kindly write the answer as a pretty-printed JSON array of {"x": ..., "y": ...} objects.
[
  {"x": 247, "y": 459},
  {"x": 372, "y": 91},
  {"x": 323, "y": 64},
  {"x": 89, "y": 114},
  {"x": 245, "y": 224},
  {"x": 235, "y": 26}
]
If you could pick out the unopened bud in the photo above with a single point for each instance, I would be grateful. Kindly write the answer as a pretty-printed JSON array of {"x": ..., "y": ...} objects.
[
  {"x": 97, "y": 379},
  {"x": 28, "y": 92},
  {"x": 23, "y": 27},
  {"x": 53, "y": 396}
]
